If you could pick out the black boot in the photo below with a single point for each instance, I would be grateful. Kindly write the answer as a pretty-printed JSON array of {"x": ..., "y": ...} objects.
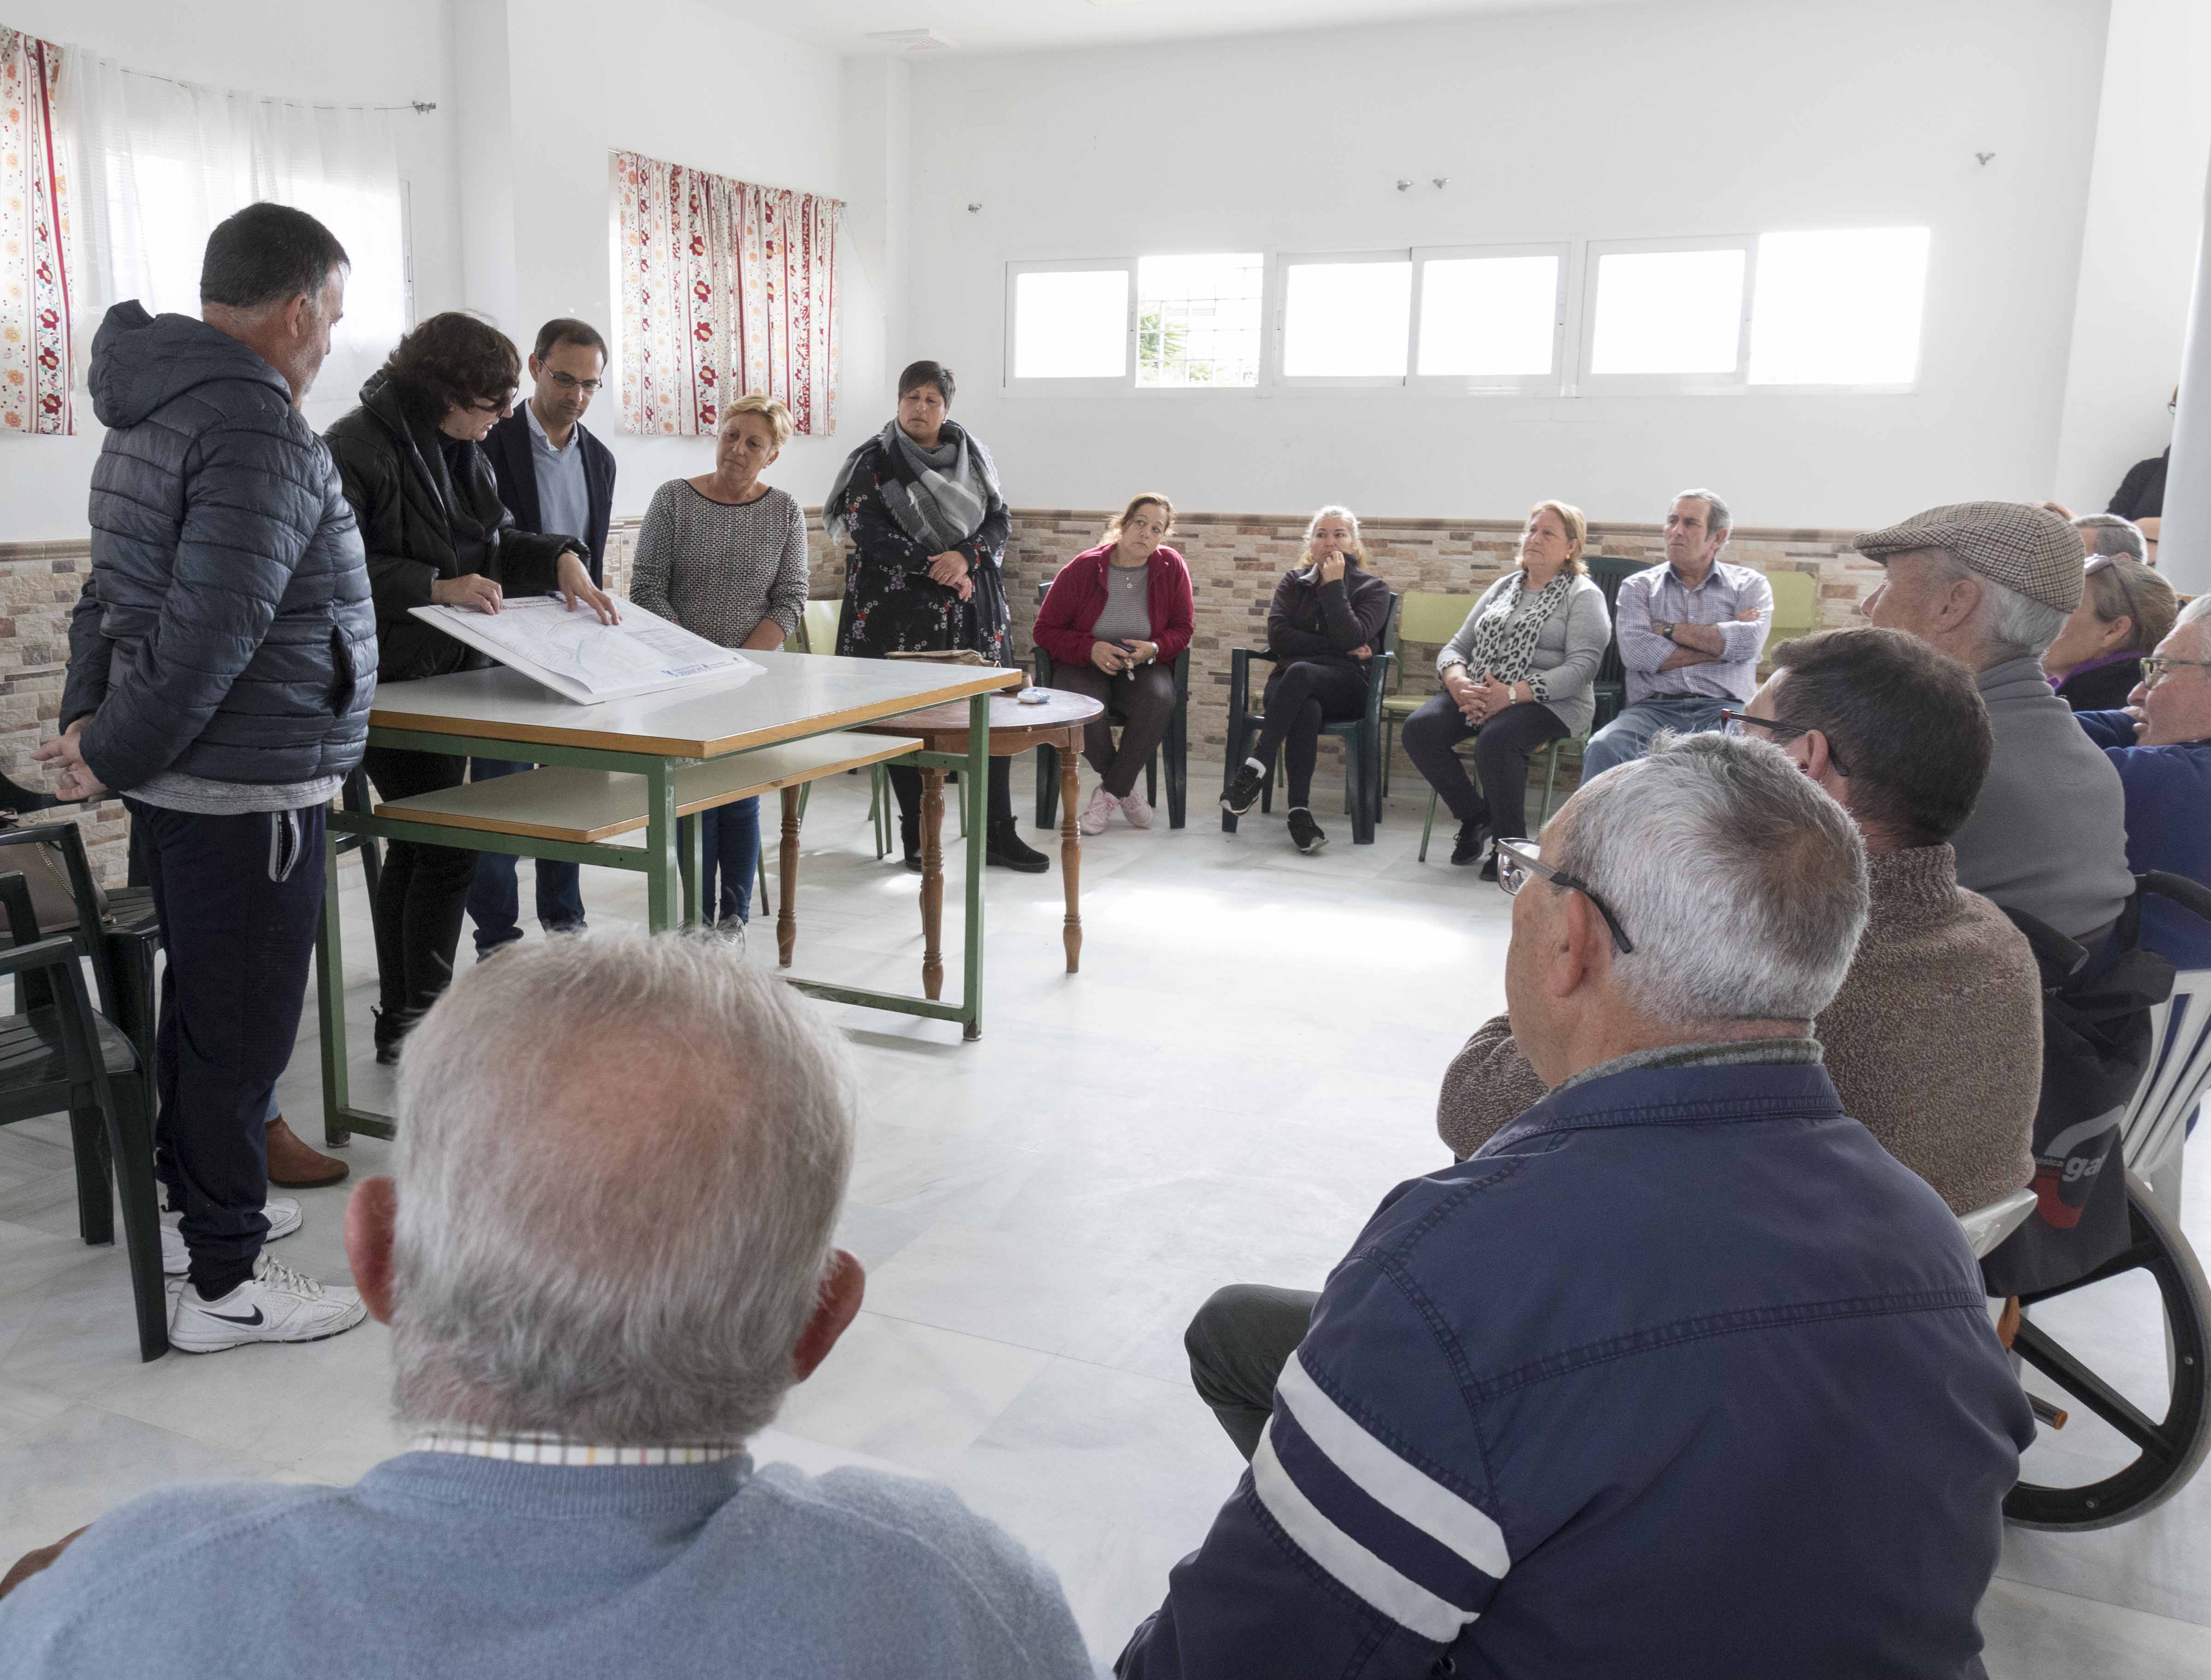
[
  {"x": 1008, "y": 850},
  {"x": 391, "y": 1026},
  {"x": 1471, "y": 838},
  {"x": 910, "y": 839}
]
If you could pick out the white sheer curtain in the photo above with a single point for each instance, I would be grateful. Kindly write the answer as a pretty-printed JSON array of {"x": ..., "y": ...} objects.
[{"x": 162, "y": 161}]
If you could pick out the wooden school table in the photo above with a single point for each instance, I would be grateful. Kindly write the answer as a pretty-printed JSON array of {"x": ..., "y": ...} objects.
[{"x": 616, "y": 776}]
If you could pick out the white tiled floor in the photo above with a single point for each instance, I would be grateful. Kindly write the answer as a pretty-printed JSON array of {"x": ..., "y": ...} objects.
[{"x": 1248, "y": 1062}]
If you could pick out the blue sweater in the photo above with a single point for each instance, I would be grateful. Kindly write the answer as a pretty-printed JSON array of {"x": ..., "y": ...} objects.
[
  {"x": 1681, "y": 1375},
  {"x": 438, "y": 1565},
  {"x": 2168, "y": 826}
]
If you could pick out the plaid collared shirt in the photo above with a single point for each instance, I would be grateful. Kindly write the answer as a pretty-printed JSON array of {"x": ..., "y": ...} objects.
[{"x": 553, "y": 1450}]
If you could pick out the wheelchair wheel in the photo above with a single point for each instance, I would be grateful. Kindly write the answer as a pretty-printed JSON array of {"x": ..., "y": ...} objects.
[{"x": 2167, "y": 1451}]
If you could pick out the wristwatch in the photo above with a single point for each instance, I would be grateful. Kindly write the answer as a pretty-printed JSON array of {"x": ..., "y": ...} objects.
[{"x": 1665, "y": 630}]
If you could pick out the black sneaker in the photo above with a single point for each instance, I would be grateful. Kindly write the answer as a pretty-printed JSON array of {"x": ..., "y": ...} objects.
[
  {"x": 1008, "y": 850},
  {"x": 391, "y": 1026},
  {"x": 1243, "y": 790},
  {"x": 1489, "y": 866},
  {"x": 1471, "y": 838},
  {"x": 1305, "y": 833}
]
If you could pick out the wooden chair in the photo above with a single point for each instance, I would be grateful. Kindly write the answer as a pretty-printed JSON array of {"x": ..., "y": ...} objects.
[
  {"x": 1361, "y": 736},
  {"x": 58, "y": 1055},
  {"x": 1175, "y": 749}
]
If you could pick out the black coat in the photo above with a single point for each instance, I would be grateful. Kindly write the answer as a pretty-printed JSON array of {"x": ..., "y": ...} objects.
[
  {"x": 423, "y": 521},
  {"x": 226, "y": 630},
  {"x": 2142, "y": 493},
  {"x": 508, "y": 446},
  {"x": 2104, "y": 689},
  {"x": 1325, "y": 621}
]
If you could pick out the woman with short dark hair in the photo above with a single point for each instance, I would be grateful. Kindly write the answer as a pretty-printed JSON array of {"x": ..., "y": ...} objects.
[
  {"x": 919, "y": 503},
  {"x": 427, "y": 504}
]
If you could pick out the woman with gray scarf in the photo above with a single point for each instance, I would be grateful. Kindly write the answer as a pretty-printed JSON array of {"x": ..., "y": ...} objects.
[{"x": 920, "y": 505}]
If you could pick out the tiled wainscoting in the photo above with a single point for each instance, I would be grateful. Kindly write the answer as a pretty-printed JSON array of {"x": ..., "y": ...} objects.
[{"x": 39, "y": 585}]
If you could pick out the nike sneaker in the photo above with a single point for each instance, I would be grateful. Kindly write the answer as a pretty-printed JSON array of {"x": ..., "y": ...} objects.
[{"x": 275, "y": 1304}]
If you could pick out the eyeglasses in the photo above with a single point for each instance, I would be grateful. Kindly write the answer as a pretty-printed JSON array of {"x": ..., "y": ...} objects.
[
  {"x": 2155, "y": 671},
  {"x": 568, "y": 382},
  {"x": 1516, "y": 862},
  {"x": 1736, "y": 723}
]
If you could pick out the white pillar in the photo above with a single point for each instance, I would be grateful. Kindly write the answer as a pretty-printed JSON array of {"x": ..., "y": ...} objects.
[{"x": 2183, "y": 553}]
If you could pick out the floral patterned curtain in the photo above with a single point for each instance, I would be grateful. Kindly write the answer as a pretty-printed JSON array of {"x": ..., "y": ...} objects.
[
  {"x": 726, "y": 289},
  {"x": 35, "y": 371}
]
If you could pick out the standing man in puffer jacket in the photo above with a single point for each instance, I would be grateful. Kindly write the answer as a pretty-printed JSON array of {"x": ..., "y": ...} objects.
[{"x": 223, "y": 660}]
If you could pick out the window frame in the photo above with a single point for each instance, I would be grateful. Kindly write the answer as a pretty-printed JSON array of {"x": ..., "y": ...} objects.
[
  {"x": 1736, "y": 383},
  {"x": 1065, "y": 385},
  {"x": 1278, "y": 349},
  {"x": 1549, "y": 384},
  {"x": 1268, "y": 263},
  {"x": 1830, "y": 388}
]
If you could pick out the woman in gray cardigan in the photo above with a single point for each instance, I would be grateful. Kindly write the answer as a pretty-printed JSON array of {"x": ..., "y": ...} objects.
[{"x": 1517, "y": 676}]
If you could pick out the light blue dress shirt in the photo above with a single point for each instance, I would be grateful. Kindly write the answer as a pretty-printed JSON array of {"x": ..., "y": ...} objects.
[
  {"x": 1657, "y": 593},
  {"x": 564, "y": 495}
]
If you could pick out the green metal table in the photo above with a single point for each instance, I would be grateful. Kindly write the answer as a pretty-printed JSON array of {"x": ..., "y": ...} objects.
[{"x": 499, "y": 714}]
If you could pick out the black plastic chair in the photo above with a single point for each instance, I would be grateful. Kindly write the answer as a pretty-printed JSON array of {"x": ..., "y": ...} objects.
[
  {"x": 1175, "y": 749},
  {"x": 1608, "y": 572},
  {"x": 58, "y": 1055},
  {"x": 1361, "y": 736}
]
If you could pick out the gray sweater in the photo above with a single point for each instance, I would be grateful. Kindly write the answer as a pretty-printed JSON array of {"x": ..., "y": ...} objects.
[
  {"x": 2048, "y": 834},
  {"x": 435, "y": 1564},
  {"x": 1567, "y": 654}
]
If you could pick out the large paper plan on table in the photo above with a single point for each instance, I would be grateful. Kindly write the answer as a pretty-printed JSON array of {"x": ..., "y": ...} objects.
[{"x": 580, "y": 659}]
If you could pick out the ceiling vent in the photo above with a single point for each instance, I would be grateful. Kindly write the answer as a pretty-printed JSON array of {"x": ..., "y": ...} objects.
[{"x": 915, "y": 41}]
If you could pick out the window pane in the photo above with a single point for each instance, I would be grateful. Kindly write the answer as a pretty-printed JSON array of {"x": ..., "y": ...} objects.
[
  {"x": 1071, "y": 324},
  {"x": 1344, "y": 320},
  {"x": 1838, "y": 309},
  {"x": 1488, "y": 315},
  {"x": 1197, "y": 319},
  {"x": 1667, "y": 312}
]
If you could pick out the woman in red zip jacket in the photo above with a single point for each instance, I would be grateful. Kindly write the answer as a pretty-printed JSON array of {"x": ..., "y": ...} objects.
[{"x": 1114, "y": 621}]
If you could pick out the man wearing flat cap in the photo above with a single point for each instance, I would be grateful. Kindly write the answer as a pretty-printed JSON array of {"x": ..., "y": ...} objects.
[{"x": 1991, "y": 583}]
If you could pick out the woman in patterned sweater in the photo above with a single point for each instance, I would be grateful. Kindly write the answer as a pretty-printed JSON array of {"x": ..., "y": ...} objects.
[
  {"x": 920, "y": 505},
  {"x": 724, "y": 556}
]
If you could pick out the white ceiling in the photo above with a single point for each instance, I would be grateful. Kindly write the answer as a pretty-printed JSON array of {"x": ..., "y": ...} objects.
[{"x": 1003, "y": 25}]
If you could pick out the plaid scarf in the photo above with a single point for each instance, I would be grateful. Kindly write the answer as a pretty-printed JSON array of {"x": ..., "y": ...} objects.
[{"x": 939, "y": 497}]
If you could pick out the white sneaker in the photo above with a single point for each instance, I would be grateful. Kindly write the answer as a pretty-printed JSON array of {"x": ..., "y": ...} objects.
[
  {"x": 275, "y": 1304},
  {"x": 281, "y": 1212},
  {"x": 1136, "y": 809},
  {"x": 1099, "y": 812}
]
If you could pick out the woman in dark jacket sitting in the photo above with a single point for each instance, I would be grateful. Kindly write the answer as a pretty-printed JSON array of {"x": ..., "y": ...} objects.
[
  {"x": 2125, "y": 611},
  {"x": 1327, "y": 616},
  {"x": 1114, "y": 621},
  {"x": 437, "y": 534},
  {"x": 920, "y": 504}
]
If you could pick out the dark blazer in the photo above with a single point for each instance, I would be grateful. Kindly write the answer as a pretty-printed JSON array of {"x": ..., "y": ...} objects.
[
  {"x": 2141, "y": 491},
  {"x": 507, "y": 443}
]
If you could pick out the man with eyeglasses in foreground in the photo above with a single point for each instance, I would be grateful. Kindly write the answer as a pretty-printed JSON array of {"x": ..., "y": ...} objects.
[
  {"x": 1654, "y": 1382},
  {"x": 2161, "y": 746},
  {"x": 554, "y": 475}
]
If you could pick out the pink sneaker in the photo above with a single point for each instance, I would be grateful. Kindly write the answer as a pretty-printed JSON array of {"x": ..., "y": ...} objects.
[
  {"x": 1136, "y": 809},
  {"x": 1098, "y": 812}
]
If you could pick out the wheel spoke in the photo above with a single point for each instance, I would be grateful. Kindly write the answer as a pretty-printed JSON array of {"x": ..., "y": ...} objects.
[{"x": 2032, "y": 1344}]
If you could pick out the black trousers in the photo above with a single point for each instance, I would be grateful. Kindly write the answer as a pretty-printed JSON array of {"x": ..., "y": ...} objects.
[
  {"x": 1237, "y": 1345},
  {"x": 238, "y": 899},
  {"x": 1301, "y": 695},
  {"x": 417, "y": 913},
  {"x": 1501, "y": 748},
  {"x": 1145, "y": 696},
  {"x": 905, "y": 784}
]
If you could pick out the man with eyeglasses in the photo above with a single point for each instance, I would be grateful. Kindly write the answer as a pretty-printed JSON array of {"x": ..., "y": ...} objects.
[
  {"x": 554, "y": 475},
  {"x": 1992, "y": 584},
  {"x": 1652, "y": 1384},
  {"x": 2160, "y": 746}
]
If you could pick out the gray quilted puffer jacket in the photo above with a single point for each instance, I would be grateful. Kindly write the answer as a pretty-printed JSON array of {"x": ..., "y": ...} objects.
[{"x": 226, "y": 631}]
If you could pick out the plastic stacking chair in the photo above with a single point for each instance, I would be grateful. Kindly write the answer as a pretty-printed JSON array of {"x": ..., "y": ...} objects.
[
  {"x": 1795, "y": 608},
  {"x": 58, "y": 1055},
  {"x": 1175, "y": 749},
  {"x": 818, "y": 630},
  {"x": 1429, "y": 621},
  {"x": 1361, "y": 736}
]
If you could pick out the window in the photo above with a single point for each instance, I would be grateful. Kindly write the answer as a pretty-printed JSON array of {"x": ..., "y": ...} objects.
[
  {"x": 1491, "y": 319},
  {"x": 1838, "y": 309},
  {"x": 1348, "y": 317},
  {"x": 1197, "y": 319},
  {"x": 1667, "y": 311},
  {"x": 1070, "y": 322}
]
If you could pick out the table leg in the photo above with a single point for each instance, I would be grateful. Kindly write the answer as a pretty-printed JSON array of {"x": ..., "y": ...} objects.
[
  {"x": 1070, "y": 862},
  {"x": 330, "y": 1004},
  {"x": 973, "y": 788},
  {"x": 786, "y": 917},
  {"x": 663, "y": 891},
  {"x": 932, "y": 884},
  {"x": 689, "y": 860}
]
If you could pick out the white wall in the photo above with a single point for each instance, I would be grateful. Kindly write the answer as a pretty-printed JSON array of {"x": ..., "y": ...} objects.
[
  {"x": 392, "y": 53},
  {"x": 678, "y": 80},
  {"x": 2138, "y": 252},
  {"x": 1701, "y": 117}
]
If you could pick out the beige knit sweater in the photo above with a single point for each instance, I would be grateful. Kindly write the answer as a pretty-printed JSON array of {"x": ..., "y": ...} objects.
[{"x": 1935, "y": 1041}]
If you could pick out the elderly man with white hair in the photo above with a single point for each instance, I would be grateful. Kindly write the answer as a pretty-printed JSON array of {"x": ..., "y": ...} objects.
[
  {"x": 1681, "y": 1374},
  {"x": 1991, "y": 585},
  {"x": 606, "y": 1257}
]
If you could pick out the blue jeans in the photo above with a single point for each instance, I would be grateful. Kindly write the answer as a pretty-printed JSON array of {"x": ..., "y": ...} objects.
[
  {"x": 495, "y": 901},
  {"x": 1628, "y": 734},
  {"x": 730, "y": 844}
]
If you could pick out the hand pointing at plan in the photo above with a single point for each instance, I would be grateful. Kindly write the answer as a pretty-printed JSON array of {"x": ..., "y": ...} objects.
[{"x": 578, "y": 588}]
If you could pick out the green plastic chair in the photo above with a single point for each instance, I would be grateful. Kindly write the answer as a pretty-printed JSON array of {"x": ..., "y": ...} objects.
[
  {"x": 1430, "y": 620},
  {"x": 817, "y": 631},
  {"x": 1795, "y": 608}
]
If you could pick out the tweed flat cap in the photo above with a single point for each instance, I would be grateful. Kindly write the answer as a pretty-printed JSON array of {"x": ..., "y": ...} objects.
[{"x": 2027, "y": 548}]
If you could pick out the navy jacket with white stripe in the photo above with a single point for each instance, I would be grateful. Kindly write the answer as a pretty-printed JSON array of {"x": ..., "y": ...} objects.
[{"x": 1681, "y": 1375}]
